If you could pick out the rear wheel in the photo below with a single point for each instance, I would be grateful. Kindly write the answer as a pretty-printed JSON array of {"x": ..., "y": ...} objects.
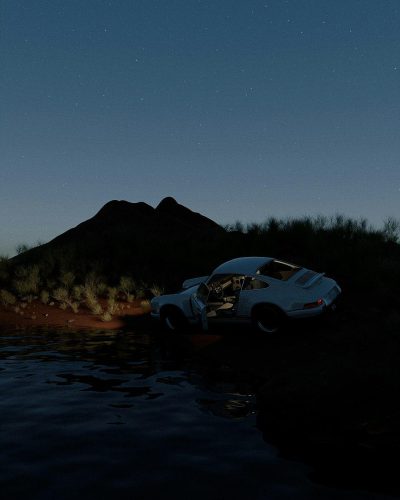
[
  {"x": 173, "y": 320},
  {"x": 268, "y": 319}
]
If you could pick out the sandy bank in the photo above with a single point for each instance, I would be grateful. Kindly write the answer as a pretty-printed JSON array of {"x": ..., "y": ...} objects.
[{"x": 35, "y": 314}]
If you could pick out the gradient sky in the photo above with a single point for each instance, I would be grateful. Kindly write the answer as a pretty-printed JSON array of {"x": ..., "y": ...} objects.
[{"x": 238, "y": 109}]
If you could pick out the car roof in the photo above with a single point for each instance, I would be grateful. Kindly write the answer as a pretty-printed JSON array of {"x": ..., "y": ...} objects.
[{"x": 242, "y": 265}]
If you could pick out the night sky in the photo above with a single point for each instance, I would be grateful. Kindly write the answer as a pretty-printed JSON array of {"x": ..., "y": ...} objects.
[{"x": 238, "y": 109}]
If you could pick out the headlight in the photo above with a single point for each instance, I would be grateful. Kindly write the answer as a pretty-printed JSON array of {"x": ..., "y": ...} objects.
[{"x": 155, "y": 306}]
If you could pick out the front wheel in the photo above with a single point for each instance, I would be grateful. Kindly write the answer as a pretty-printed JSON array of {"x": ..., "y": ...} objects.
[
  {"x": 268, "y": 320},
  {"x": 173, "y": 320}
]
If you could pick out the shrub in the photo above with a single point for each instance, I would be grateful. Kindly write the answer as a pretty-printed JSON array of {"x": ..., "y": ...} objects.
[
  {"x": 156, "y": 290},
  {"x": 112, "y": 306},
  {"x": 27, "y": 280},
  {"x": 128, "y": 287},
  {"x": 91, "y": 301},
  {"x": 44, "y": 296},
  {"x": 101, "y": 288},
  {"x": 77, "y": 292},
  {"x": 140, "y": 294},
  {"x": 22, "y": 248},
  {"x": 106, "y": 317},
  {"x": 91, "y": 281},
  {"x": 391, "y": 229},
  {"x": 67, "y": 279},
  {"x": 7, "y": 298},
  {"x": 112, "y": 292},
  {"x": 75, "y": 307},
  {"x": 62, "y": 295}
]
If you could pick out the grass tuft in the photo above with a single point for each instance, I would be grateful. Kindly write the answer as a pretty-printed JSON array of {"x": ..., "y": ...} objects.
[{"x": 7, "y": 298}]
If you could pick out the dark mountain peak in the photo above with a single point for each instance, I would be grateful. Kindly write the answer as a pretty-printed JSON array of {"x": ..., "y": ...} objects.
[
  {"x": 170, "y": 208},
  {"x": 122, "y": 208},
  {"x": 167, "y": 204},
  {"x": 126, "y": 238}
]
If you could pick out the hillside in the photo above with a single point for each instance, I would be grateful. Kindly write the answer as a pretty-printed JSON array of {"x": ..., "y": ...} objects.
[{"x": 161, "y": 244}]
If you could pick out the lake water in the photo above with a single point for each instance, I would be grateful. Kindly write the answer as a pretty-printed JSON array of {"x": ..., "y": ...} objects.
[{"x": 133, "y": 415}]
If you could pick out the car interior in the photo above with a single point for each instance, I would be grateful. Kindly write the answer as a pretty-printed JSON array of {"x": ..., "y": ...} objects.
[{"x": 224, "y": 293}]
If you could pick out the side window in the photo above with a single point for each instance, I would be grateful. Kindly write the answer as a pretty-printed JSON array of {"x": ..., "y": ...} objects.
[{"x": 254, "y": 284}]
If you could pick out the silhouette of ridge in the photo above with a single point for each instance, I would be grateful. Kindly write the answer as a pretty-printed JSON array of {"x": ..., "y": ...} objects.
[{"x": 125, "y": 238}]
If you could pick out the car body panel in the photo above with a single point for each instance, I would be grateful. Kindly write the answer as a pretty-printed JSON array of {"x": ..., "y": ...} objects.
[{"x": 242, "y": 265}]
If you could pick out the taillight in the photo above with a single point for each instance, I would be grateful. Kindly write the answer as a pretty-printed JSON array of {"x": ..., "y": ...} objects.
[{"x": 311, "y": 305}]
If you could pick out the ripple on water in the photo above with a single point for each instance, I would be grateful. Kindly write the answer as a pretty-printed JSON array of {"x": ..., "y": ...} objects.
[{"x": 100, "y": 414}]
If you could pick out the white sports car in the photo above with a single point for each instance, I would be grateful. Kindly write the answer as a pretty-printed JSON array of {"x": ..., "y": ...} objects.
[{"x": 261, "y": 290}]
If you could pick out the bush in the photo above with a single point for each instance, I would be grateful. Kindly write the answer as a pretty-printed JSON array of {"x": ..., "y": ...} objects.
[
  {"x": 7, "y": 298},
  {"x": 112, "y": 304},
  {"x": 101, "y": 288},
  {"x": 67, "y": 279},
  {"x": 77, "y": 292},
  {"x": 391, "y": 229},
  {"x": 91, "y": 301},
  {"x": 128, "y": 287},
  {"x": 96, "y": 284},
  {"x": 112, "y": 293},
  {"x": 156, "y": 290},
  {"x": 44, "y": 296},
  {"x": 106, "y": 317},
  {"x": 62, "y": 295},
  {"x": 27, "y": 280},
  {"x": 22, "y": 248},
  {"x": 75, "y": 307}
]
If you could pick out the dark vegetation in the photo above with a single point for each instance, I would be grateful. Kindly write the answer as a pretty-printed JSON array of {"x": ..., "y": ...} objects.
[
  {"x": 170, "y": 243},
  {"x": 331, "y": 390},
  {"x": 163, "y": 246}
]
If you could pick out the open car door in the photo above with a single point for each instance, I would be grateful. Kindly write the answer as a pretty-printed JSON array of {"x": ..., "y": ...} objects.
[{"x": 199, "y": 304}]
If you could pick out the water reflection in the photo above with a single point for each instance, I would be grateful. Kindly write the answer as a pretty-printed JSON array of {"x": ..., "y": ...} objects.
[{"x": 133, "y": 414}]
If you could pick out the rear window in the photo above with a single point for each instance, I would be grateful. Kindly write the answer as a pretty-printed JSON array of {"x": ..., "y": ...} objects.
[{"x": 278, "y": 270}]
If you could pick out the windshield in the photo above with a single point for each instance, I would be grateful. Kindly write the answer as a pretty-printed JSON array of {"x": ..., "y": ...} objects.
[{"x": 202, "y": 292}]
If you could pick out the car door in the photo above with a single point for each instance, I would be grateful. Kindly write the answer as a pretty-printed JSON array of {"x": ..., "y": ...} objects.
[
  {"x": 253, "y": 290},
  {"x": 199, "y": 304}
]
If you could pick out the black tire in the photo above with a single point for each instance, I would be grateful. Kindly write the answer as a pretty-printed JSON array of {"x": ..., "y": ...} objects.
[
  {"x": 268, "y": 320},
  {"x": 173, "y": 320}
]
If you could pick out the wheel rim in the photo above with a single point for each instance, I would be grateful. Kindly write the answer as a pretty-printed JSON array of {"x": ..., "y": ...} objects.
[
  {"x": 170, "y": 323},
  {"x": 266, "y": 326},
  {"x": 268, "y": 321}
]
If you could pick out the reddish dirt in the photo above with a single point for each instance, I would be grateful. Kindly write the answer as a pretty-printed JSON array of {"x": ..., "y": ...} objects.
[{"x": 36, "y": 314}]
